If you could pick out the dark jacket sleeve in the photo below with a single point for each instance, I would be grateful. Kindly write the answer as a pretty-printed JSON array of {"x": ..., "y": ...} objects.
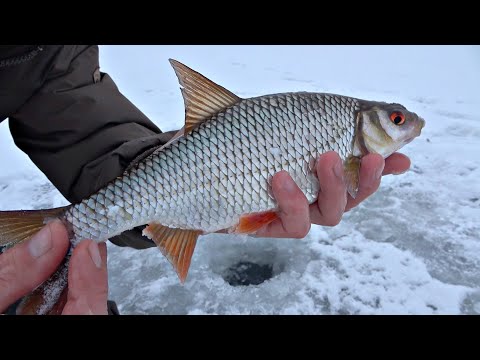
[{"x": 80, "y": 130}]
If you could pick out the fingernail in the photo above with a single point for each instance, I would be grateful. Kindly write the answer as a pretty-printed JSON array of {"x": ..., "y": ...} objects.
[
  {"x": 399, "y": 172},
  {"x": 338, "y": 170},
  {"x": 288, "y": 184},
  {"x": 95, "y": 254},
  {"x": 41, "y": 242}
]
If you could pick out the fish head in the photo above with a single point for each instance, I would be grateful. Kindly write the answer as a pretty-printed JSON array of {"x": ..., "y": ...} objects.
[{"x": 384, "y": 128}]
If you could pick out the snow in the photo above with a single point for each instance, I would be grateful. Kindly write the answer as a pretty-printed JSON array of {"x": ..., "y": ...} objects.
[{"x": 412, "y": 248}]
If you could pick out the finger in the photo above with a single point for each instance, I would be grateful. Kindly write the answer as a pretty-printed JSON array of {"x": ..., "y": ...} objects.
[
  {"x": 332, "y": 198},
  {"x": 396, "y": 164},
  {"x": 88, "y": 280},
  {"x": 294, "y": 216},
  {"x": 371, "y": 169},
  {"x": 27, "y": 265}
]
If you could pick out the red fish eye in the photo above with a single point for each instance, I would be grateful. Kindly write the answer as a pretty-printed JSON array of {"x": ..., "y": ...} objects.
[{"x": 397, "y": 118}]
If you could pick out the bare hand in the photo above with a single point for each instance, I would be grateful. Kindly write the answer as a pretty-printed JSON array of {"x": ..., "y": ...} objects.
[
  {"x": 27, "y": 265},
  {"x": 296, "y": 216}
]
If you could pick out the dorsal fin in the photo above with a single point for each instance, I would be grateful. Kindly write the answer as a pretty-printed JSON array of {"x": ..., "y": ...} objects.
[{"x": 203, "y": 98}]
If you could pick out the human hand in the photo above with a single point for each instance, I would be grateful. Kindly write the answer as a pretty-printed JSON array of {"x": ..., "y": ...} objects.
[
  {"x": 27, "y": 265},
  {"x": 296, "y": 216}
]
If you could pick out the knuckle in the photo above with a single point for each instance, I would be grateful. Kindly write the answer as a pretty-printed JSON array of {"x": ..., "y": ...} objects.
[
  {"x": 294, "y": 207},
  {"x": 370, "y": 188},
  {"x": 332, "y": 221},
  {"x": 299, "y": 207},
  {"x": 301, "y": 231}
]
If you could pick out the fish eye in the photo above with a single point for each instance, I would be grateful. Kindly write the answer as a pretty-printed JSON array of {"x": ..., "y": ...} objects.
[{"x": 397, "y": 118}]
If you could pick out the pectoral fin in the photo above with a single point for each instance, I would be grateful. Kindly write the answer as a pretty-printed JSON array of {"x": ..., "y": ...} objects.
[{"x": 352, "y": 175}]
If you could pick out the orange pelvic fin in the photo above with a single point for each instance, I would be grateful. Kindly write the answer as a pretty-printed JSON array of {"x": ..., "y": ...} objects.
[{"x": 250, "y": 223}]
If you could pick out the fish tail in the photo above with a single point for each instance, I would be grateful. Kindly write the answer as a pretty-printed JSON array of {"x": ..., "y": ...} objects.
[
  {"x": 19, "y": 226},
  {"x": 50, "y": 297}
]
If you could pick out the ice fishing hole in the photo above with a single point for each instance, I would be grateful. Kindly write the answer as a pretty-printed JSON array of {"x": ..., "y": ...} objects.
[{"x": 247, "y": 273}]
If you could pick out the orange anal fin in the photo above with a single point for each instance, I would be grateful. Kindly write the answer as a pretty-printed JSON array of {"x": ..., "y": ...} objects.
[
  {"x": 250, "y": 223},
  {"x": 176, "y": 244}
]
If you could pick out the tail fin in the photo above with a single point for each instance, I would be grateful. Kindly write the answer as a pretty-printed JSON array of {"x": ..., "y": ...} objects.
[
  {"x": 50, "y": 297},
  {"x": 18, "y": 226}
]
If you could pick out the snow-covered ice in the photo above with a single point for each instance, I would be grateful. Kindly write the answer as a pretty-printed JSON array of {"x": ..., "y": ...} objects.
[{"x": 412, "y": 248}]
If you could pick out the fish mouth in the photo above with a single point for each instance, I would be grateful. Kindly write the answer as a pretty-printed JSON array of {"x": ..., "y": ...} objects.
[
  {"x": 409, "y": 140},
  {"x": 419, "y": 126},
  {"x": 422, "y": 123}
]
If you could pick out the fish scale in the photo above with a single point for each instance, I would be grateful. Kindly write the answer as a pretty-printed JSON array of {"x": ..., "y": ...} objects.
[{"x": 180, "y": 192}]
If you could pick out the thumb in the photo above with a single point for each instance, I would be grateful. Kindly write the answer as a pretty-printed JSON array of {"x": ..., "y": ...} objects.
[{"x": 27, "y": 265}]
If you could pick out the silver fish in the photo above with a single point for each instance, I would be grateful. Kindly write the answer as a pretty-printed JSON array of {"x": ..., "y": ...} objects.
[{"x": 215, "y": 173}]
